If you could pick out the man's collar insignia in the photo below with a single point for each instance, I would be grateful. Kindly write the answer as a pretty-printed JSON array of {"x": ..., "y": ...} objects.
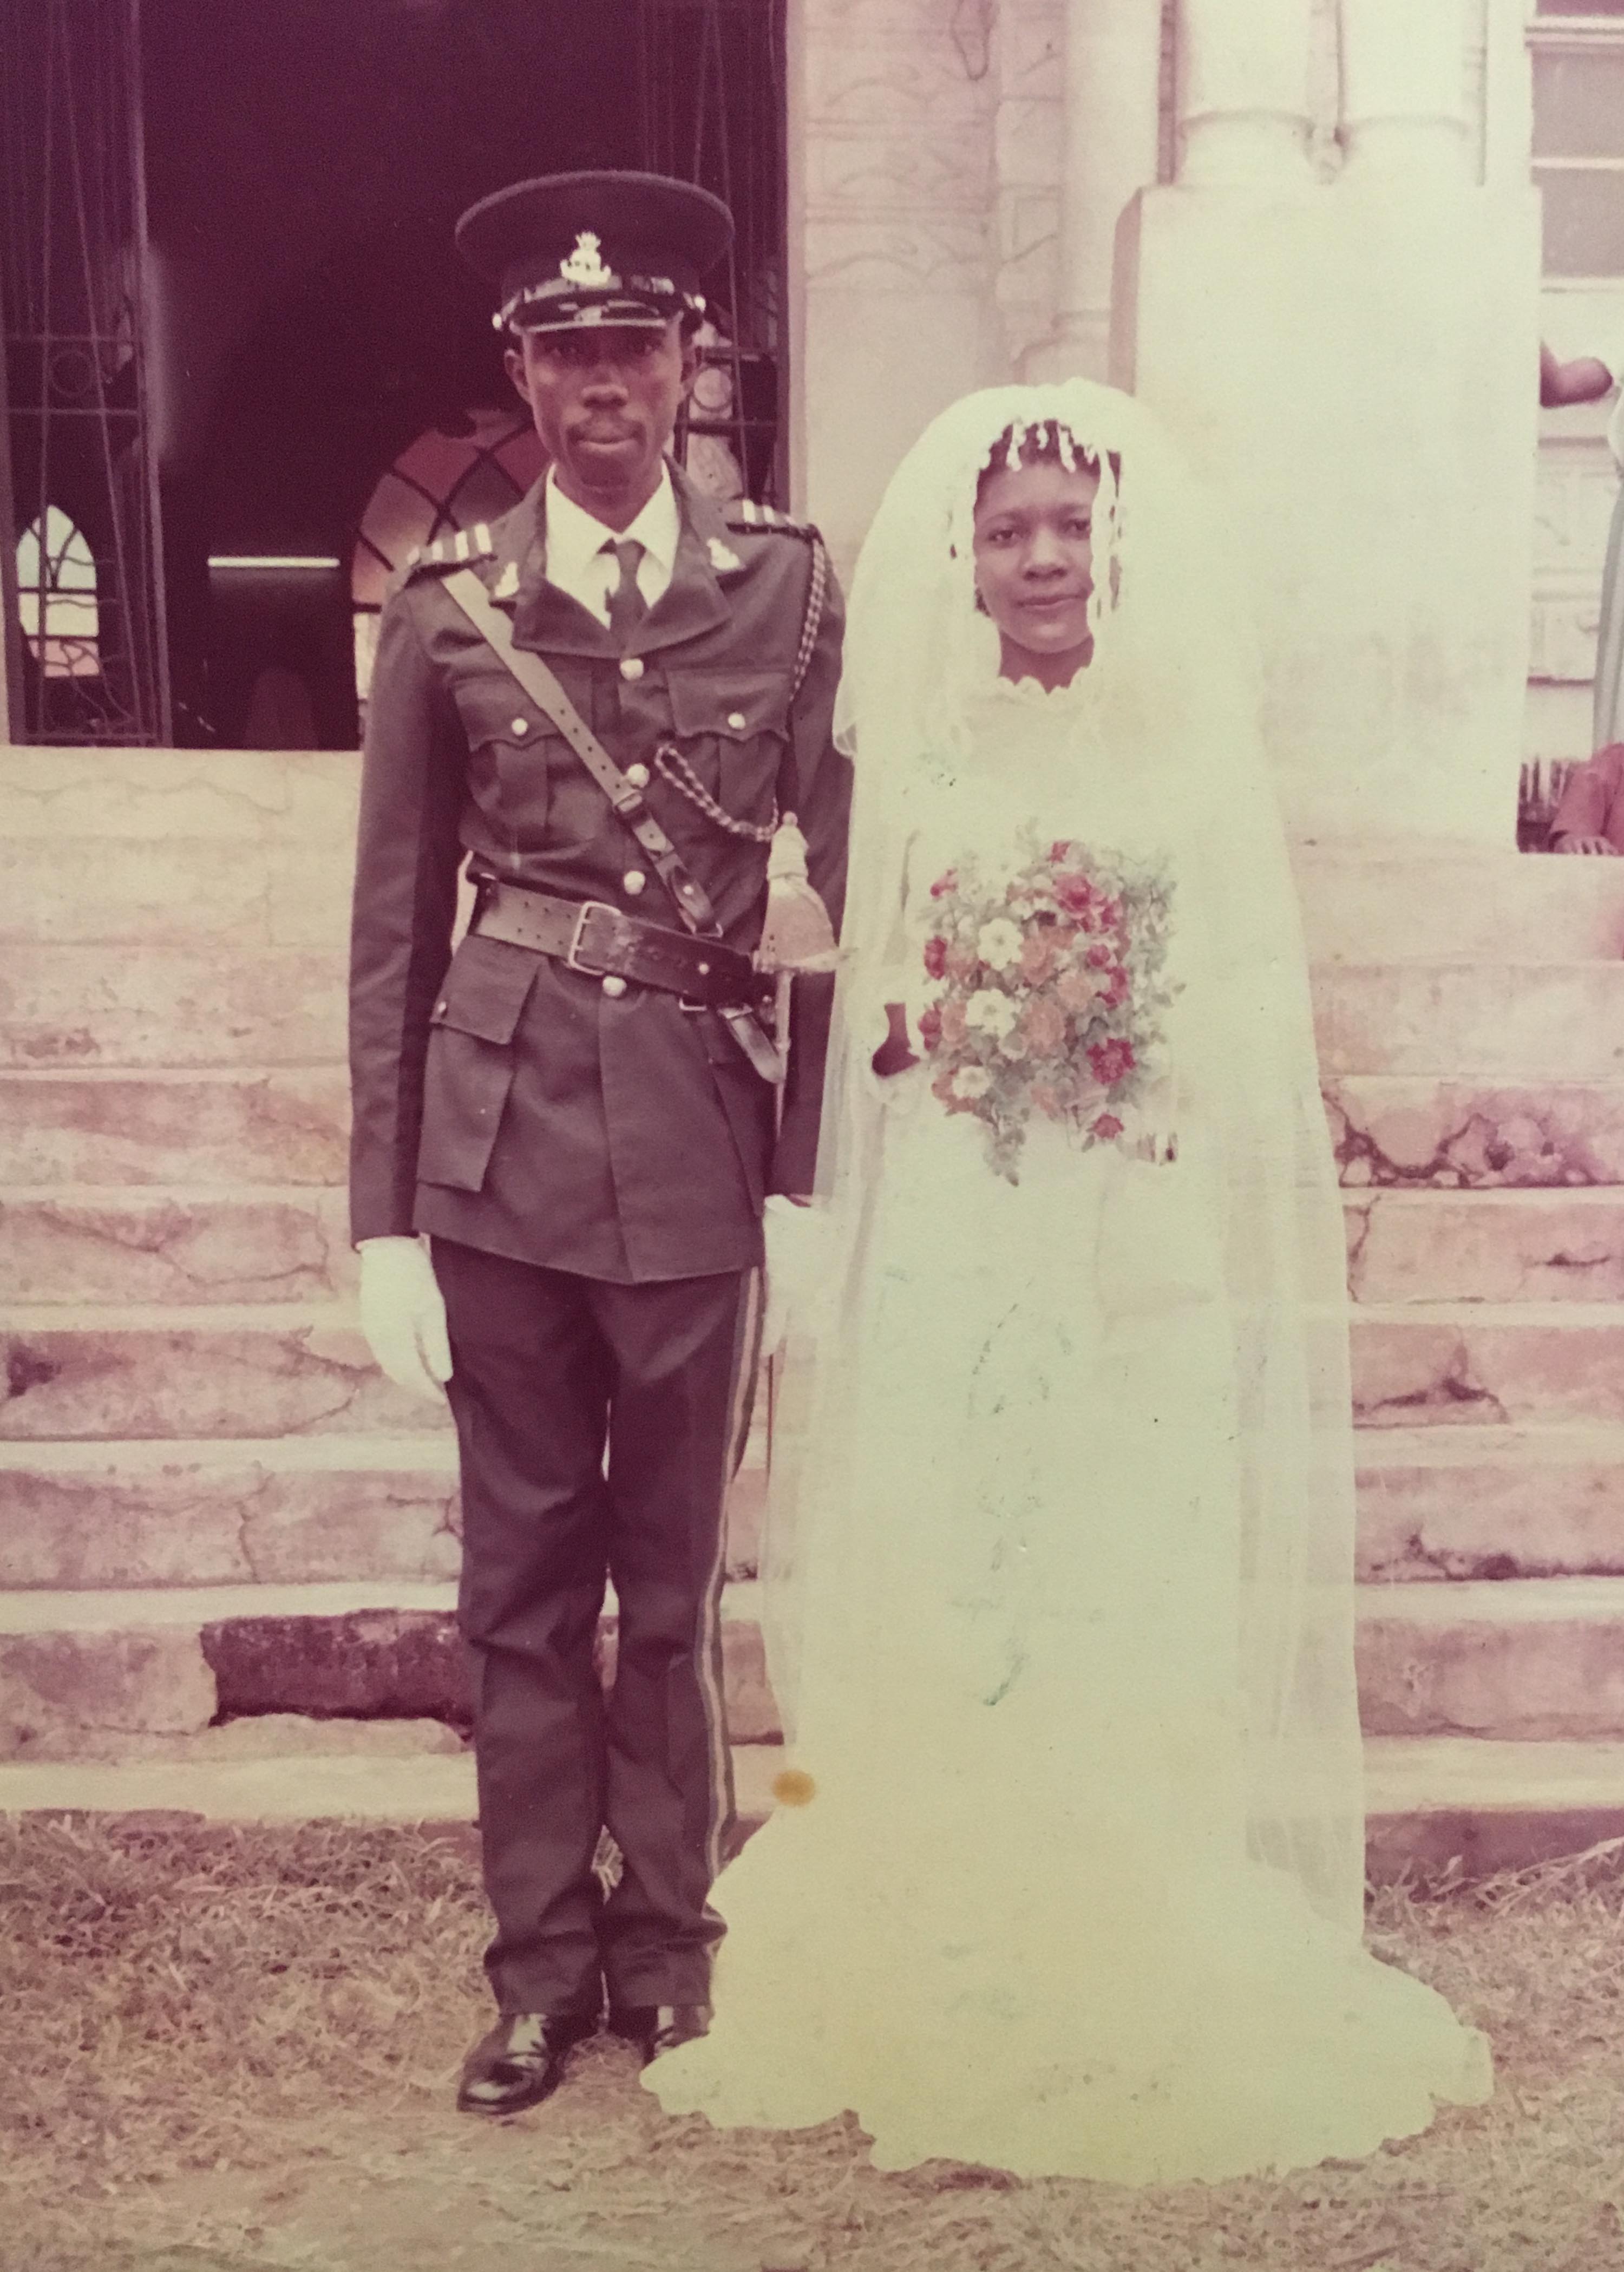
[
  {"x": 723, "y": 559},
  {"x": 507, "y": 583},
  {"x": 584, "y": 266}
]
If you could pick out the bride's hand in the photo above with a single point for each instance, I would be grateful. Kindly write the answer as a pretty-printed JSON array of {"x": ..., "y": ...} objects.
[{"x": 893, "y": 1055}]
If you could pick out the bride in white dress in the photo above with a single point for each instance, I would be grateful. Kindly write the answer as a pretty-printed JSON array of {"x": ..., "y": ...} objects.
[{"x": 1066, "y": 1874}]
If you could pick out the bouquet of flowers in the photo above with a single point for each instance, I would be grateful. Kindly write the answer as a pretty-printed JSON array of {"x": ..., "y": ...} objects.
[{"x": 1049, "y": 993}]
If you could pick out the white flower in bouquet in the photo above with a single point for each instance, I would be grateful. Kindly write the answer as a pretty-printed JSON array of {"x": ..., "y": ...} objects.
[
  {"x": 989, "y": 1011},
  {"x": 998, "y": 943},
  {"x": 971, "y": 1081}
]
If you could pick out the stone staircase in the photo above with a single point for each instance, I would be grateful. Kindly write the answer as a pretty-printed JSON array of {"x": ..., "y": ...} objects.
[{"x": 227, "y": 1547}]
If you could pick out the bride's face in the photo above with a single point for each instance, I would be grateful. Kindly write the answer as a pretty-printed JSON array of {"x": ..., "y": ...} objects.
[{"x": 1035, "y": 567}]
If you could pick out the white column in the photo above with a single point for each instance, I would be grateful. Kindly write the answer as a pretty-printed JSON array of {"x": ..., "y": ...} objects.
[
  {"x": 1242, "y": 92},
  {"x": 1403, "y": 88},
  {"x": 1113, "y": 56}
]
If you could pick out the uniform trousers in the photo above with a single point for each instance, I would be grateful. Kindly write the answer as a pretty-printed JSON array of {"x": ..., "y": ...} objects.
[{"x": 599, "y": 1427}]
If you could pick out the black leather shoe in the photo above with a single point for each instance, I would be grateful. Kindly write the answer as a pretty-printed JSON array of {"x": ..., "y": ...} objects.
[
  {"x": 656, "y": 2029},
  {"x": 520, "y": 2062}
]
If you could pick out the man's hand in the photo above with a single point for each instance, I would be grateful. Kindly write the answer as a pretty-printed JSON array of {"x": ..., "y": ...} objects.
[
  {"x": 1597, "y": 844},
  {"x": 403, "y": 1315}
]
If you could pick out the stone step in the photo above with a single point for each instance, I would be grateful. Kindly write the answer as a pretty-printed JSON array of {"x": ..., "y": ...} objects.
[
  {"x": 1454, "y": 1133},
  {"x": 120, "y": 1675},
  {"x": 1482, "y": 1807},
  {"x": 1490, "y": 1503},
  {"x": 1525, "y": 1661},
  {"x": 301, "y": 1779},
  {"x": 201, "y": 1127},
  {"x": 290, "y": 1510},
  {"x": 1500, "y": 1021},
  {"x": 1427, "y": 906},
  {"x": 66, "y": 1244},
  {"x": 1562, "y": 1245},
  {"x": 1434, "y": 1503},
  {"x": 108, "y": 1372},
  {"x": 117, "y": 1371},
  {"x": 1442, "y": 1363},
  {"x": 63, "y": 1007}
]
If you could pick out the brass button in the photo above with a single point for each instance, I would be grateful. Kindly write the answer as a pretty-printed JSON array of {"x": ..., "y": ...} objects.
[
  {"x": 634, "y": 881},
  {"x": 736, "y": 719},
  {"x": 521, "y": 726},
  {"x": 614, "y": 988},
  {"x": 638, "y": 775},
  {"x": 632, "y": 666}
]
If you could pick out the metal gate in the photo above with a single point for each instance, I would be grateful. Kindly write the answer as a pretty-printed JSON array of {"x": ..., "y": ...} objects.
[
  {"x": 80, "y": 559},
  {"x": 712, "y": 82}
]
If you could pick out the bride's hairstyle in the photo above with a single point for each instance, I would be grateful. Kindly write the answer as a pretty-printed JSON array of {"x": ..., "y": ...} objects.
[{"x": 1048, "y": 442}]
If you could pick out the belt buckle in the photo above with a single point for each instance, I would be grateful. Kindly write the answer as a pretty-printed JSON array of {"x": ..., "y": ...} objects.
[{"x": 572, "y": 960}]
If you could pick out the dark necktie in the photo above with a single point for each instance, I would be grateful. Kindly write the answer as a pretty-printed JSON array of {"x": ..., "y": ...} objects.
[{"x": 626, "y": 604}]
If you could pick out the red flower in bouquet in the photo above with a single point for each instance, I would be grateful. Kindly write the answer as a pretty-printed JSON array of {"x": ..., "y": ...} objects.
[
  {"x": 1112, "y": 1061},
  {"x": 1099, "y": 957},
  {"x": 931, "y": 1025},
  {"x": 1059, "y": 850},
  {"x": 1074, "y": 892},
  {"x": 944, "y": 885},
  {"x": 1105, "y": 1127},
  {"x": 936, "y": 957}
]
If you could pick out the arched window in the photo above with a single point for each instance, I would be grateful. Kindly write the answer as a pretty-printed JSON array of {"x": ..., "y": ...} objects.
[
  {"x": 56, "y": 598},
  {"x": 441, "y": 482}
]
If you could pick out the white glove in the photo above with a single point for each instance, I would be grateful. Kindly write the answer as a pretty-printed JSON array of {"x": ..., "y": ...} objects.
[
  {"x": 403, "y": 1315},
  {"x": 798, "y": 1243}
]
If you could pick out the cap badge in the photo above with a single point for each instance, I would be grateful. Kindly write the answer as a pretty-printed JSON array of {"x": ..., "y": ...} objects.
[
  {"x": 584, "y": 267},
  {"x": 723, "y": 559}
]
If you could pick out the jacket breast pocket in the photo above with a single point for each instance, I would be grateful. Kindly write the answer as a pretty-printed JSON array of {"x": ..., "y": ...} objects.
[
  {"x": 470, "y": 1062},
  {"x": 509, "y": 771},
  {"x": 733, "y": 726}
]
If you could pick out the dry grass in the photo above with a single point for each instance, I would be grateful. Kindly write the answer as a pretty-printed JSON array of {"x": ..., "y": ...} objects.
[{"x": 234, "y": 2047}]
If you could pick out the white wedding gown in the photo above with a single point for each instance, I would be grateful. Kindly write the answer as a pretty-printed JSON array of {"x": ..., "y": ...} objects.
[{"x": 1016, "y": 1924}]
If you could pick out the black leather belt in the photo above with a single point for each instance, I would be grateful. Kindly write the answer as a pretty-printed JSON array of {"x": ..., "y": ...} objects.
[{"x": 602, "y": 942}]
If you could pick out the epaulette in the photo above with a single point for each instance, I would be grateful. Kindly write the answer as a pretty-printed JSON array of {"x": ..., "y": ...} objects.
[
  {"x": 748, "y": 518},
  {"x": 452, "y": 551},
  {"x": 455, "y": 549}
]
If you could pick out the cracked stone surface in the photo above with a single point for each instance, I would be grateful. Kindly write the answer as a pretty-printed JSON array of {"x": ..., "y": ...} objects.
[
  {"x": 213, "y": 1524},
  {"x": 288, "y": 1126},
  {"x": 1556, "y": 1679},
  {"x": 170, "y": 1249},
  {"x": 61, "y": 1693},
  {"x": 1528, "y": 1021},
  {"x": 406, "y": 1664},
  {"x": 175, "y": 890},
  {"x": 1541, "y": 1513},
  {"x": 1455, "y": 1135},
  {"x": 1464, "y": 1249},
  {"x": 240, "y": 797},
  {"x": 1416, "y": 1373},
  {"x": 96, "y": 1383},
  {"x": 70, "y": 1005}
]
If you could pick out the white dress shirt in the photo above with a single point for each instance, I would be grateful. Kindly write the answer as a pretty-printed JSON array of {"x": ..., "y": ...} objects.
[{"x": 577, "y": 562}]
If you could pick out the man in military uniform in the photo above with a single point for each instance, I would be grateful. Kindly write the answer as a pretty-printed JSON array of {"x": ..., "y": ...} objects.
[{"x": 578, "y": 1108}]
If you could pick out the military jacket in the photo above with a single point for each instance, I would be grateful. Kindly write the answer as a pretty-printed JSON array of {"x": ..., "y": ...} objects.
[{"x": 500, "y": 1098}]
